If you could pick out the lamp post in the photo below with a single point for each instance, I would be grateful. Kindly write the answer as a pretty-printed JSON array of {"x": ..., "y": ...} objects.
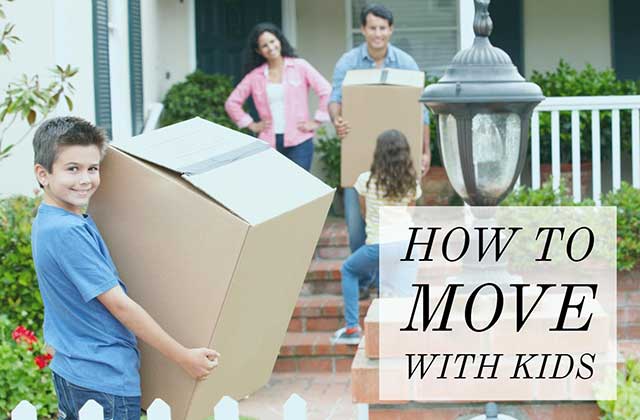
[{"x": 484, "y": 110}]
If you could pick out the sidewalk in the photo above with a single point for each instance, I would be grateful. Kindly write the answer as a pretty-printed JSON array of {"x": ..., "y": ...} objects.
[{"x": 328, "y": 396}]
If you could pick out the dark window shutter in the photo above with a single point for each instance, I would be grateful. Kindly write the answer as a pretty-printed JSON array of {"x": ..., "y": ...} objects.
[
  {"x": 625, "y": 34},
  {"x": 135, "y": 67},
  {"x": 508, "y": 26},
  {"x": 101, "y": 73}
]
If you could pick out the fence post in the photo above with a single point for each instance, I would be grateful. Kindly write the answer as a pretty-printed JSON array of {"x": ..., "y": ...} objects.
[
  {"x": 91, "y": 410},
  {"x": 226, "y": 409},
  {"x": 24, "y": 411},
  {"x": 295, "y": 408},
  {"x": 159, "y": 410},
  {"x": 363, "y": 411}
]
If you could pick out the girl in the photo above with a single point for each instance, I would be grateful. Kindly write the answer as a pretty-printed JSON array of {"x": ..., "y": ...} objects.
[
  {"x": 279, "y": 83},
  {"x": 392, "y": 181}
]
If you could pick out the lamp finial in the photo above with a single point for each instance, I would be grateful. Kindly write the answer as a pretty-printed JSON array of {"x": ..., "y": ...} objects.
[{"x": 482, "y": 23}]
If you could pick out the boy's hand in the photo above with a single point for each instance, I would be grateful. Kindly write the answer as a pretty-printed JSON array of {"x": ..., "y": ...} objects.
[{"x": 200, "y": 362}]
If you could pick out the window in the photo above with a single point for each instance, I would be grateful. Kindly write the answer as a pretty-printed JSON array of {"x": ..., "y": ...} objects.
[
  {"x": 426, "y": 29},
  {"x": 101, "y": 73}
]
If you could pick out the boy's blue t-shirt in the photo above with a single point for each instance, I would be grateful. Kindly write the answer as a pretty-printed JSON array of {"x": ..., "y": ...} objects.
[{"x": 92, "y": 348}]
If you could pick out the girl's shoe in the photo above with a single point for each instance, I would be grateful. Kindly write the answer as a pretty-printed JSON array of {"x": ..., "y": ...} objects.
[{"x": 349, "y": 336}]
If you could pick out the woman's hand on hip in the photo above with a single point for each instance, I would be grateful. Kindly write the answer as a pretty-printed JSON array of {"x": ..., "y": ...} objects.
[
  {"x": 311, "y": 125},
  {"x": 259, "y": 126}
]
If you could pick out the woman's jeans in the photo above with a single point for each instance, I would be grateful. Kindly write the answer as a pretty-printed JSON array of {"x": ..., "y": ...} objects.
[
  {"x": 301, "y": 154},
  {"x": 396, "y": 277},
  {"x": 71, "y": 398}
]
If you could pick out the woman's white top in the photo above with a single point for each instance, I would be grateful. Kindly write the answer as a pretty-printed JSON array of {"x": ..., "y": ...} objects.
[{"x": 275, "y": 94}]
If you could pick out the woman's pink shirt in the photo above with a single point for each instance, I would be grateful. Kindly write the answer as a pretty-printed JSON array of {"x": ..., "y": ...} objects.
[{"x": 298, "y": 76}]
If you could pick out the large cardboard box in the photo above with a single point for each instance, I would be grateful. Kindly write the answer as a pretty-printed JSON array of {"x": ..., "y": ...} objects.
[
  {"x": 213, "y": 233},
  {"x": 374, "y": 101}
]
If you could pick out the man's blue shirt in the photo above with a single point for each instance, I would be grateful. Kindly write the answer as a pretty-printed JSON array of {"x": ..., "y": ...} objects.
[
  {"x": 92, "y": 348},
  {"x": 358, "y": 59}
]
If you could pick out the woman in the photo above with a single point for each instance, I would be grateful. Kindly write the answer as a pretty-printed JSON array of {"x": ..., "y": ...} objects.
[{"x": 279, "y": 83}]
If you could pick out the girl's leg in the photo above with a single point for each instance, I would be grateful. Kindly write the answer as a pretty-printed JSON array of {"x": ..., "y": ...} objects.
[{"x": 356, "y": 271}]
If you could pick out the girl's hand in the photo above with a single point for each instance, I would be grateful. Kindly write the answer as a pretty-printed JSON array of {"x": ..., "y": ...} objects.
[
  {"x": 308, "y": 125},
  {"x": 259, "y": 126}
]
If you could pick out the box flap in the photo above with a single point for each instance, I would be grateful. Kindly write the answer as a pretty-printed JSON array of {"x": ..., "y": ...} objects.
[
  {"x": 385, "y": 76},
  {"x": 192, "y": 146},
  {"x": 261, "y": 186}
]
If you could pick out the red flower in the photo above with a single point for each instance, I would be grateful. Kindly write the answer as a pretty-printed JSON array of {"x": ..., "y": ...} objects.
[
  {"x": 43, "y": 360},
  {"x": 23, "y": 335}
]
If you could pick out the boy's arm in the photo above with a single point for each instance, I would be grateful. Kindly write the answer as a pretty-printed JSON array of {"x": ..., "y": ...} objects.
[{"x": 198, "y": 363}]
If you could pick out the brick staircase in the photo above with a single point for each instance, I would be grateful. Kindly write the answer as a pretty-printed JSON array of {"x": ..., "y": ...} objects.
[
  {"x": 365, "y": 373},
  {"x": 319, "y": 311}
]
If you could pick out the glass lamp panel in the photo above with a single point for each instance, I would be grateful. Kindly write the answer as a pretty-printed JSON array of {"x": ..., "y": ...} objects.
[
  {"x": 451, "y": 153},
  {"x": 496, "y": 147}
]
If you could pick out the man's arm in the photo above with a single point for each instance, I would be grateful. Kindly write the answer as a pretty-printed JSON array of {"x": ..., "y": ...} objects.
[
  {"x": 335, "y": 101},
  {"x": 198, "y": 363}
]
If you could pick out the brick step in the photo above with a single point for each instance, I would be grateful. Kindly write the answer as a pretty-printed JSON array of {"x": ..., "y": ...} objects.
[
  {"x": 332, "y": 252},
  {"x": 561, "y": 410},
  {"x": 323, "y": 278},
  {"x": 334, "y": 234},
  {"x": 321, "y": 313},
  {"x": 313, "y": 352}
]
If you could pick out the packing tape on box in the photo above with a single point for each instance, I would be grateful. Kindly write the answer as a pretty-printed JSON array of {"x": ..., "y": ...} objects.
[{"x": 224, "y": 159}]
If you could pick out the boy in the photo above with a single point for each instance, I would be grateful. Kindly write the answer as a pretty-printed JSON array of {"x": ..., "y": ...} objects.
[{"x": 89, "y": 320}]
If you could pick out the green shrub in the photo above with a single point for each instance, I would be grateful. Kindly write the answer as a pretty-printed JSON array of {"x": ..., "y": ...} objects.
[
  {"x": 567, "y": 81},
  {"x": 626, "y": 199},
  {"x": 627, "y": 405},
  {"x": 20, "y": 299},
  {"x": 329, "y": 149},
  {"x": 200, "y": 95},
  {"x": 24, "y": 374},
  {"x": 433, "y": 129}
]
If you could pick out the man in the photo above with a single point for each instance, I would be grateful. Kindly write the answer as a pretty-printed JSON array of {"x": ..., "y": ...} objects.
[{"x": 376, "y": 27}]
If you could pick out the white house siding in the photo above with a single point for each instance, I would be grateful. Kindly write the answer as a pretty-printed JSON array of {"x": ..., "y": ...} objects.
[
  {"x": 577, "y": 30},
  {"x": 167, "y": 38},
  {"x": 322, "y": 33},
  {"x": 46, "y": 42}
]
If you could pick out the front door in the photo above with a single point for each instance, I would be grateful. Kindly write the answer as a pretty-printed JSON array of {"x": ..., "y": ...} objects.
[{"x": 222, "y": 28}]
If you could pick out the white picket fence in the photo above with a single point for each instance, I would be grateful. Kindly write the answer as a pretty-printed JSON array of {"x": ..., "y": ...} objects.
[
  {"x": 594, "y": 105},
  {"x": 227, "y": 409}
]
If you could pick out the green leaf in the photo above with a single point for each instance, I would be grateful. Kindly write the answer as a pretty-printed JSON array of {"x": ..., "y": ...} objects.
[
  {"x": 31, "y": 117},
  {"x": 69, "y": 102}
]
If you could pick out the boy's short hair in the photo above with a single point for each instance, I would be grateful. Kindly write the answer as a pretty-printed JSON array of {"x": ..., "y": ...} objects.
[
  {"x": 65, "y": 131},
  {"x": 376, "y": 10}
]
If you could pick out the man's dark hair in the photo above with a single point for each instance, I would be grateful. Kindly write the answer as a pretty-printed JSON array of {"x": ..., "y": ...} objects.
[
  {"x": 377, "y": 10},
  {"x": 57, "y": 132}
]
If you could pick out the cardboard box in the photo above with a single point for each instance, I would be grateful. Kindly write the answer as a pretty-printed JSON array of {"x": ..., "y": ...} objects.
[
  {"x": 213, "y": 233},
  {"x": 374, "y": 101}
]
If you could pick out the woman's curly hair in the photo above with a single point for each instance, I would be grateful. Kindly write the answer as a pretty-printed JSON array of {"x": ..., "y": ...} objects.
[
  {"x": 252, "y": 58},
  {"x": 392, "y": 167}
]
